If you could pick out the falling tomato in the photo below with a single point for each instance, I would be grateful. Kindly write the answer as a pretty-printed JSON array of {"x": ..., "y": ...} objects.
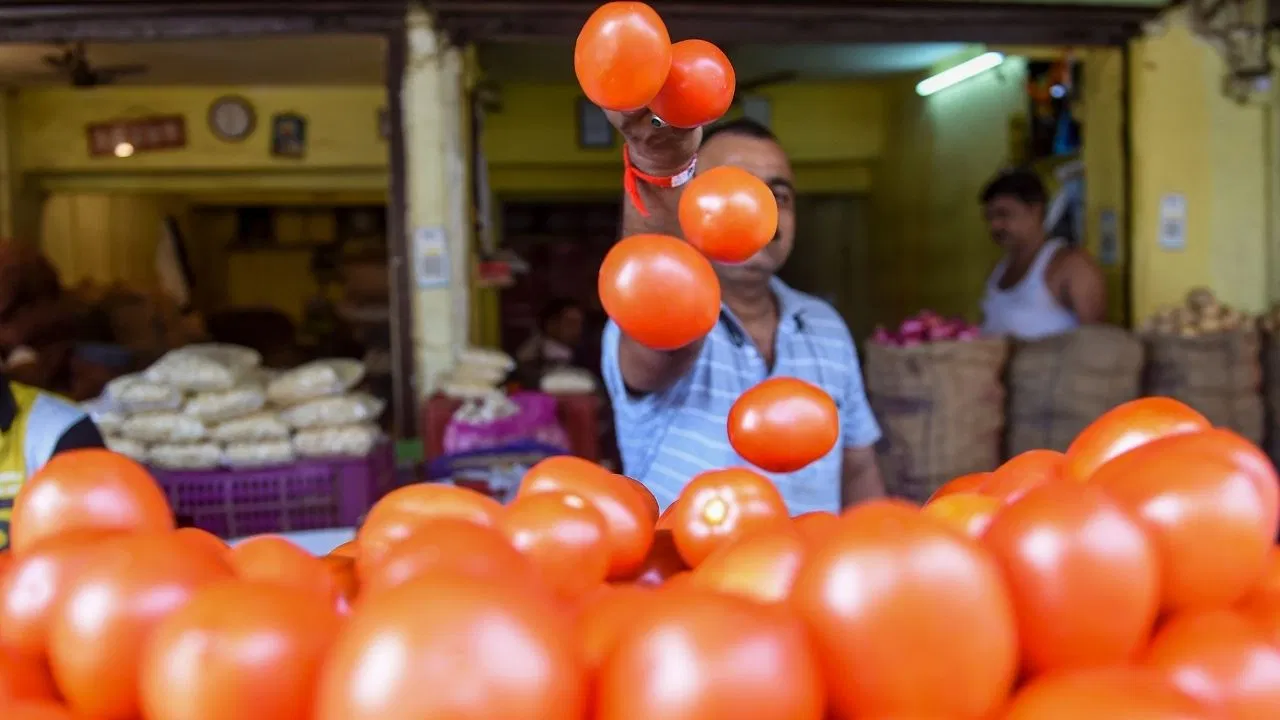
[
  {"x": 1222, "y": 660},
  {"x": 1093, "y": 600},
  {"x": 1022, "y": 473},
  {"x": 1104, "y": 692},
  {"x": 699, "y": 87},
  {"x": 783, "y": 424},
  {"x": 728, "y": 213},
  {"x": 622, "y": 56},
  {"x": 895, "y": 601},
  {"x": 762, "y": 566},
  {"x": 721, "y": 506},
  {"x": 1126, "y": 427},
  {"x": 970, "y": 513},
  {"x": 564, "y": 537},
  {"x": 660, "y": 291}
]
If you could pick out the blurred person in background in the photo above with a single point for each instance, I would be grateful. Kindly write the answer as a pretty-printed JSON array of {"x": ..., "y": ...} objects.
[
  {"x": 555, "y": 343},
  {"x": 1042, "y": 286}
]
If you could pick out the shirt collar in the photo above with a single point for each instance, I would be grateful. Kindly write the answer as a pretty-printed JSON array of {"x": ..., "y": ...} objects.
[{"x": 790, "y": 309}]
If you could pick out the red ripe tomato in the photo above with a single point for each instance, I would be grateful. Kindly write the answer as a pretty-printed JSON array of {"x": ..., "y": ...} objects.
[
  {"x": 1210, "y": 522},
  {"x": 99, "y": 633},
  {"x": 964, "y": 483},
  {"x": 1222, "y": 660},
  {"x": 721, "y": 506},
  {"x": 273, "y": 559},
  {"x": 345, "y": 580},
  {"x": 238, "y": 646},
  {"x": 646, "y": 494},
  {"x": 660, "y": 290},
  {"x": 683, "y": 659},
  {"x": 622, "y": 56},
  {"x": 910, "y": 618},
  {"x": 564, "y": 537},
  {"x": 783, "y": 424},
  {"x": 451, "y": 646},
  {"x": 446, "y": 545},
  {"x": 40, "y": 710},
  {"x": 346, "y": 549},
  {"x": 24, "y": 677},
  {"x": 666, "y": 518},
  {"x": 87, "y": 490},
  {"x": 1247, "y": 457},
  {"x": 1031, "y": 469},
  {"x": 817, "y": 526},
  {"x": 699, "y": 87},
  {"x": 403, "y": 511},
  {"x": 1124, "y": 428},
  {"x": 1266, "y": 589},
  {"x": 37, "y": 583},
  {"x": 204, "y": 541},
  {"x": 1133, "y": 693},
  {"x": 970, "y": 513},
  {"x": 1093, "y": 599},
  {"x": 629, "y": 516},
  {"x": 661, "y": 563},
  {"x": 606, "y": 617},
  {"x": 762, "y": 566},
  {"x": 728, "y": 213}
]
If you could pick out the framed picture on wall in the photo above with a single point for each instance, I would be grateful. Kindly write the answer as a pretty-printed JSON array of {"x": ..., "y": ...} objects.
[
  {"x": 594, "y": 130},
  {"x": 288, "y": 135}
]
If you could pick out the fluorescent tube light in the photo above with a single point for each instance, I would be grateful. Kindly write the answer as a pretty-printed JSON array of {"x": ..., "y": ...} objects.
[{"x": 959, "y": 73}]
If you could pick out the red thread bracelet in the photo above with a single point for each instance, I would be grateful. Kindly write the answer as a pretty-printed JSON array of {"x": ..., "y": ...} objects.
[{"x": 631, "y": 178}]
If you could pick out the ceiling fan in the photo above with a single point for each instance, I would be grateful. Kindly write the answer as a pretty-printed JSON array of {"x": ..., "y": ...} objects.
[{"x": 72, "y": 65}]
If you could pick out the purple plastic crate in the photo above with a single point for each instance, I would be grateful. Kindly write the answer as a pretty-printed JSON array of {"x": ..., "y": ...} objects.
[{"x": 309, "y": 495}]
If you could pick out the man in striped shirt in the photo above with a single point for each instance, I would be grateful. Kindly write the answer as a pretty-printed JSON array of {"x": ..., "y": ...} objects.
[{"x": 670, "y": 408}]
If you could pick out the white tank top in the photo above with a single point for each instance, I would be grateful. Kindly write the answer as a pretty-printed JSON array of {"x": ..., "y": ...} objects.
[{"x": 1028, "y": 310}]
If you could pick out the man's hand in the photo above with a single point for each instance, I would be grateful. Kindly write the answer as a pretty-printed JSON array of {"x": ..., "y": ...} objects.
[
  {"x": 860, "y": 476},
  {"x": 656, "y": 148}
]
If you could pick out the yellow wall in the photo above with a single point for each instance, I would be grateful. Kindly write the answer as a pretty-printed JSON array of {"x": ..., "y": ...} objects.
[{"x": 1102, "y": 118}]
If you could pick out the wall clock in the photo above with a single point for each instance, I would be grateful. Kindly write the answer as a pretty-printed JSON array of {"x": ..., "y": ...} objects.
[{"x": 232, "y": 118}]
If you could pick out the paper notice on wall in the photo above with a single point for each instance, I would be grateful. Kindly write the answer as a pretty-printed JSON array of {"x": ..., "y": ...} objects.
[
  {"x": 431, "y": 267},
  {"x": 1108, "y": 238},
  {"x": 1173, "y": 222}
]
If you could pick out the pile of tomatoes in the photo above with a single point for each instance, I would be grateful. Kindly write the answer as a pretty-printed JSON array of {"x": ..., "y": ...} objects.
[{"x": 1133, "y": 576}]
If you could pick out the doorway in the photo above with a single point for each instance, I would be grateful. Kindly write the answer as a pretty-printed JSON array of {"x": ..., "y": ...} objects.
[{"x": 830, "y": 259}]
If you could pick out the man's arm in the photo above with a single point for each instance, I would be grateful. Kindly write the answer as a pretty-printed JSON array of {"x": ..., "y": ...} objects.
[
  {"x": 1084, "y": 290},
  {"x": 860, "y": 476},
  {"x": 660, "y": 152},
  {"x": 82, "y": 435}
]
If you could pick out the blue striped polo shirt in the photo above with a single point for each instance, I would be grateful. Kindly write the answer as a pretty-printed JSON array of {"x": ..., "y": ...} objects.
[{"x": 668, "y": 437}]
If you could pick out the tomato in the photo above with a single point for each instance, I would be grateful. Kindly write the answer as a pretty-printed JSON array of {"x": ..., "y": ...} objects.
[
  {"x": 1222, "y": 660},
  {"x": 1247, "y": 457},
  {"x": 273, "y": 559},
  {"x": 1028, "y": 470},
  {"x": 1109, "y": 692},
  {"x": 909, "y": 618},
  {"x": 629, "y": 517},
  {"x": 605, "y": 618},
  {"x": 1209, "y": 520},
  {"x": 1266, "y": 589},
  {"x": 564, "y": 537},
  {"x": 205, "y": 541},
  {"x": 720, "y": 506},
  {"x": 344, "y": 579},
  {"x": 728, "y": 213},
  {"x": 1093, "y": 598},
  {"x": 699, "y": 86},
  {"x": 622, "y": 56},
  {"x": 90, "y": 489},
  {"x": 660, "y": 291},
  {"x": 667, "y": 517},
  {"x": 815, "y": 527},
  {"x": 238, "y": 646},
  {"x": 645, "y": 494},
  {"x": 24, "y": 677},
  {"x": 39, "y": 710},
  {"x": 964, "y": 483},
  {"x": 98, "y": 634},
  {"x": 451, "y": 646},
  {"x": 783, "y": 424},
  {"x": 403, "y": 510},
  {"x": 346, "y": 549},
  {"x": 37, "y": 583},
  {"x": 446, "y": 545},
  {"x": 762, "y": 566},
  {"x": 968, "y": 512},
  {"x": 662, "y": 562},
  {"x": 683, "y": 659},
  {"x": 1126, "y": 427}
]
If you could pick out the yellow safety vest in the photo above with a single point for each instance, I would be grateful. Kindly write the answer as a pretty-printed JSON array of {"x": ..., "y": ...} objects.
[{"x": 39, "y": 422}]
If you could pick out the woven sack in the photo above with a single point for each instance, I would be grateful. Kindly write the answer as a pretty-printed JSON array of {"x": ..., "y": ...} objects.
[{"x": 1219, "y": 375}]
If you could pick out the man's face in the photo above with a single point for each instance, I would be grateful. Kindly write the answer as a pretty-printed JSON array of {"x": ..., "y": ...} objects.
[
  {"x": 568, "y": 327},
  {"x": 1012, "y": 221},
  {"x": 766, "y": 160}
]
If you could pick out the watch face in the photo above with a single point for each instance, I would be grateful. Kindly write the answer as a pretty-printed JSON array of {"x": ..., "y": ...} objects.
[{"x": 231, "y": 119}]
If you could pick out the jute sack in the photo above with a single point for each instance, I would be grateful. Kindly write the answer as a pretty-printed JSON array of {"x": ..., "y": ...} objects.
[
  {"x": 1060, "y": 384},
  {"x": 1219, "y": 375},
  {"x": 941, "y": 410}
]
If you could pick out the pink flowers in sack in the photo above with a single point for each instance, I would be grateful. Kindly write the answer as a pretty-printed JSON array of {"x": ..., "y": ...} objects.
[
  {"x": 498, "y": 421},
  {"x": 924, "y": 328}
]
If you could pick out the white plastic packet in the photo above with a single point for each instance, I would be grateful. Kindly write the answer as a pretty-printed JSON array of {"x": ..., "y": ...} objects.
[
  {"x": 342, "y": 441},
  {"x": 136, "y": 394},
  {"x": 163, "y": 427},
  {"x": 202, "y": 367},
  {"x": 131, "y": 449},
  {"x": 258, "y": 454},
  {"x": 331, "y": 411},
  {"x": 185, "y": 456},
  {"x": 251, "y": 428},
  {"x": 490, "y": 360},
  {"x": 219, "y": 405},
  {"x": 317, "y": 379},
  {"x": 568, "y": 381}
]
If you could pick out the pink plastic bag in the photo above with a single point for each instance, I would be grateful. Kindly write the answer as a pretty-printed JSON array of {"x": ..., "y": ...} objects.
[{"x": 534, "y": 421}]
